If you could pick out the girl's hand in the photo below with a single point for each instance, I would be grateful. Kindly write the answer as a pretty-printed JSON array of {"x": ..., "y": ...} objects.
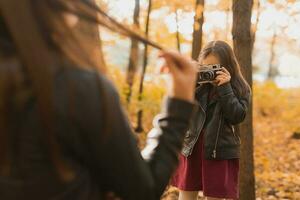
[
  {"x": 222, "y": 77},
  {"x": 183, "y": 74}
]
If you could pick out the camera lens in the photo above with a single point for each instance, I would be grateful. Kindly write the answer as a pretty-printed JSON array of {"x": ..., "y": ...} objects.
[{"x": 208, "y": 75}]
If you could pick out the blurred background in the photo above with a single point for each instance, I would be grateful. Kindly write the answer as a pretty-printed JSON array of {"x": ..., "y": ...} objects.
[{"x": 186, "y": 26}]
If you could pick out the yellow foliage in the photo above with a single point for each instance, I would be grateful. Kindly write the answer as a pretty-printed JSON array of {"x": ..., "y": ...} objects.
[
  {"x": 277, "y": 155},
  {"x": 151, "y": 99}
]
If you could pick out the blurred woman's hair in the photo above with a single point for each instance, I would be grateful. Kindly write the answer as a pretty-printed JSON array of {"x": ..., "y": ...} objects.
[
  {"x": 227, "y": 58},
  {"x": 36, "y": 41}
]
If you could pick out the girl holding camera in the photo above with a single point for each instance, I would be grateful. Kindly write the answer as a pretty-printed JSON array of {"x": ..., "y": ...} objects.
[{"x": 209, "y": 160}]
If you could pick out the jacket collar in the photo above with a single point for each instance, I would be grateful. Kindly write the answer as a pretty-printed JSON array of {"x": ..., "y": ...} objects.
[
  {"x": 214, "y": 98},
  {"x": 202, "y": 95},
  {"x": 202, "y": 92}
]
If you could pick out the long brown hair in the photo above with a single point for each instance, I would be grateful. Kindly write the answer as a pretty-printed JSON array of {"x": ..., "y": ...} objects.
[
  {"x": 35, "y": 38},
  {"x": 225, "y": 54}
]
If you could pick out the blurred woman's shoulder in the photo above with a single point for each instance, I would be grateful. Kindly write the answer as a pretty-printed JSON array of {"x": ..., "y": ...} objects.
[{"x": 89, "y": 82}]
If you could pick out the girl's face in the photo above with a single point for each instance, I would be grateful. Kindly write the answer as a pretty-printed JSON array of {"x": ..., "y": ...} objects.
[{"x": 208, "y": 60}]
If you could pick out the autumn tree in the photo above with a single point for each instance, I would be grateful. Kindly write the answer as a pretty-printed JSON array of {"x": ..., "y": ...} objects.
[
  {"x": 277, "y": 29},
  {"x": 225, "y": 6},
  {"x": 197, "y": 33},
  {"x": 255, "y": 25},
  {"x": 273, "y": 71},
  {"x": 242, "y": 43},
  {"x": 177, "y": 31},
  {"x": 177, "y": 10},
  {"x": 152, "y": 5},
  {"x": 134, "y": 51},
  {"x": 139, "y": 127}
]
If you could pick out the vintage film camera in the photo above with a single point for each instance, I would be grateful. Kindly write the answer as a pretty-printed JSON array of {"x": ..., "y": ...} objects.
[{"x": 207, "y": 73}]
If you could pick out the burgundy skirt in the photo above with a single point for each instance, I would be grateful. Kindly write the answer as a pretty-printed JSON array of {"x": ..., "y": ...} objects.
[{"x": 216, "y": 178}]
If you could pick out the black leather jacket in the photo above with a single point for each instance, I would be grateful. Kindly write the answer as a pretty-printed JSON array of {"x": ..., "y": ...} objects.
[
  {"x": 103, "y": 162},
  {"x": 220, "y": 139}
]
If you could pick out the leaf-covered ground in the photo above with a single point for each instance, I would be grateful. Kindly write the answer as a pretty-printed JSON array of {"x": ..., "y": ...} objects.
[{"x": 277, "y": 142}]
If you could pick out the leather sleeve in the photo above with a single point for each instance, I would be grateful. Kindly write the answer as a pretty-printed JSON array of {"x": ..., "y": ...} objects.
[
  {"x": 234, "y": 109},
  {"x": 115, "y": 160}
]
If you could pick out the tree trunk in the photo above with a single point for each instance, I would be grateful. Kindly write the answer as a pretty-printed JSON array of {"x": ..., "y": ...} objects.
[
  {"x": 273, "y": 71},
  {"x": 254, "y": 29},
  {"x": 242, "y": 44},
  {"x": 133, "y": 57},
  {"x": 177, "y": 31},
  {"x": 139, "y": 127},
  {"x": 197, "y": 33}
]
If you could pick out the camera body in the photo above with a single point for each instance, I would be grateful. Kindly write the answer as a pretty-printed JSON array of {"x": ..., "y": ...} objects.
[{"x": 208, "y": 73}]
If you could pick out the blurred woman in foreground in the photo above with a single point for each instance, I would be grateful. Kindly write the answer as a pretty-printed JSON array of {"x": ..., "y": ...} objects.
[{"x": 63, "y": 133}]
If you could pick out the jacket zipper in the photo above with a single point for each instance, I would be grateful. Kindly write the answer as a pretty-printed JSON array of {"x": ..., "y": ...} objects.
[{"x": 214, "y": 154}]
